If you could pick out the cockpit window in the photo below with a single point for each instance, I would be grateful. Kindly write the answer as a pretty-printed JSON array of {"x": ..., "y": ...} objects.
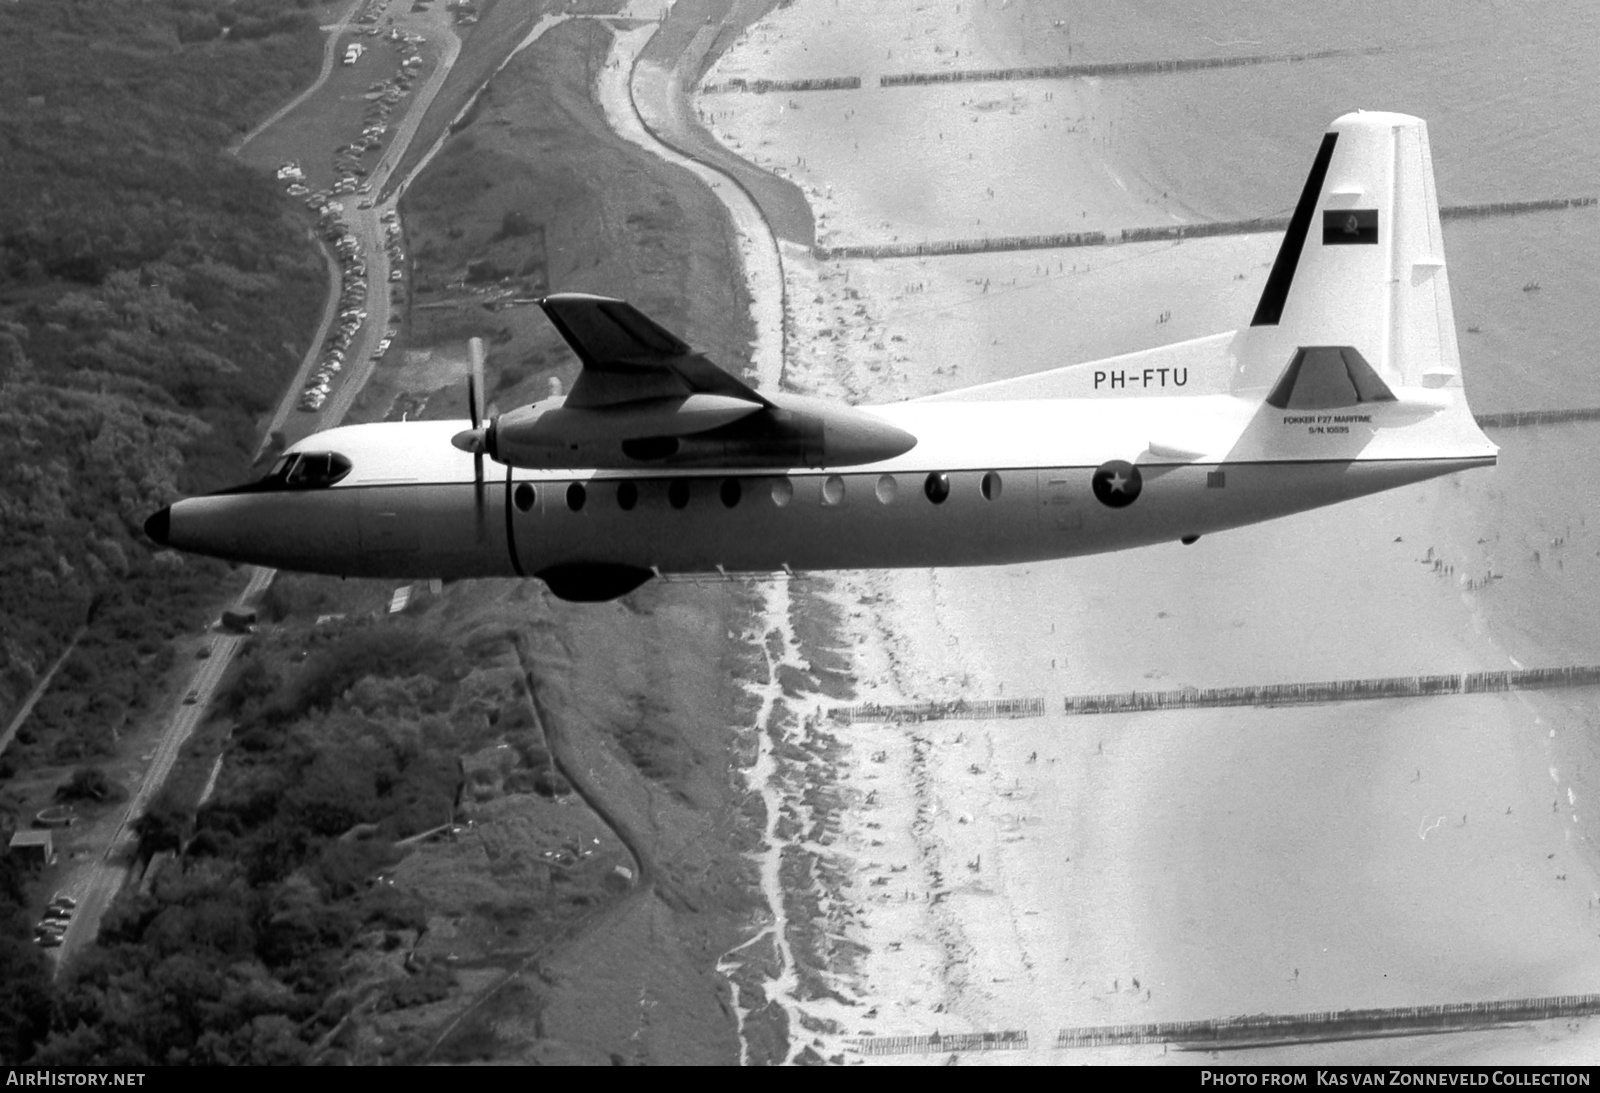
[{"x": 307, "y": 470}]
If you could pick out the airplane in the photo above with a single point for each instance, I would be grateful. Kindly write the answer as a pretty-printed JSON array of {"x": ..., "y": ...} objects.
[{"x": 1347, "y": 381}]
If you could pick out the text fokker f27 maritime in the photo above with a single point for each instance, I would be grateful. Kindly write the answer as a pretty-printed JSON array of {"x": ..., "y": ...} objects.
[{"x": 1346, "y": 382}]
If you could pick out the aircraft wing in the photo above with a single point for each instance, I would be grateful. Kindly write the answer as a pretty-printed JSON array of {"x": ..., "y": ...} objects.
[
  {"x": 646, "y": 399},
  {"x": 629, "y": 358}
]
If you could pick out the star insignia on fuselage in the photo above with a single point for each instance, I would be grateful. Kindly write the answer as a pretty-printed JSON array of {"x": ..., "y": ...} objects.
[{"x": 1116, "y": 483}]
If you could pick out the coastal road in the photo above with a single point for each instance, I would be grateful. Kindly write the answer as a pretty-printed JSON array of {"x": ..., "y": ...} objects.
[
  {"x": 98, "y": 885},
  {"x": 367, "y": 227}
]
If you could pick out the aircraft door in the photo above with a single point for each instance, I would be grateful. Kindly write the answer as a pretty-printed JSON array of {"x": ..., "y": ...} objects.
[{"x": 1062, "y": 494}]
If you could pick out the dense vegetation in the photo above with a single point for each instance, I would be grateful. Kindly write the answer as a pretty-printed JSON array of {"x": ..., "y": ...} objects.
[
  {"x": 24, "y": 987},
  {"x": 244, "y": 949},
  {"x": 154, "y": 297},
  {"x": 154, "y": 294}
]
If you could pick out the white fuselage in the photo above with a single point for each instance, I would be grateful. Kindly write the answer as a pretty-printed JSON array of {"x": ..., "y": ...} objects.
[{"x": 1019, "y": 475}]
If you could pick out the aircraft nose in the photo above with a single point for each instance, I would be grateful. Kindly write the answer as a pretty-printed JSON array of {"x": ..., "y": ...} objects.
[{"x": 159, "y": 526}]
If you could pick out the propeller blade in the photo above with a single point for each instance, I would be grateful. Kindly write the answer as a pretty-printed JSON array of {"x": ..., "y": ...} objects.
[
  {"x": 475, "y": 381},
  {"x": 475, "y": 440}
]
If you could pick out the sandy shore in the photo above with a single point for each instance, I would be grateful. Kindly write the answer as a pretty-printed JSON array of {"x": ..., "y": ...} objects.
[{"x": 1046, "y": 872}]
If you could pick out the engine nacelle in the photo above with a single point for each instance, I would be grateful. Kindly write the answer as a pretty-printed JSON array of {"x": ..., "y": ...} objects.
[{"x": 697, "y": 431}]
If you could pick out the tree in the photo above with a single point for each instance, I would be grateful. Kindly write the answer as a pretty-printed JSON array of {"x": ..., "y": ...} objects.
[
  {"x": 88, "y": 784},
  {"x": 163, "y": 825}
]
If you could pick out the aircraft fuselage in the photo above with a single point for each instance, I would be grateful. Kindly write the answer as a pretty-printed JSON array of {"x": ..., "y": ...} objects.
[{"x": 996, "y": 483}]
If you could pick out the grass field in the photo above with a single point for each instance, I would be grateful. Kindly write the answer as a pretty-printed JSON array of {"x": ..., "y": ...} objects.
[{"x": 537, "y": 194}]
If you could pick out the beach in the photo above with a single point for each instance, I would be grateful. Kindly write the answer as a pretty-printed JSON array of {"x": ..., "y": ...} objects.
[{"x": 1054, "y": 871}]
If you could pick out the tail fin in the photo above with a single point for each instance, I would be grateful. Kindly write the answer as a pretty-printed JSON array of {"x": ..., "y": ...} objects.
[{"x": 1361, "y": 268}]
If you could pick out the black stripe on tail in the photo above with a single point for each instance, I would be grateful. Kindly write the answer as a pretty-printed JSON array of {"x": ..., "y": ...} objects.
[{"x": 1270, "y": 309}]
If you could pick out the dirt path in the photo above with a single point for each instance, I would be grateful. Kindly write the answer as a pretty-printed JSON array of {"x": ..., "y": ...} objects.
[
  {"x": 38, "y": 691},
  {"x": 647, "y": 880}
]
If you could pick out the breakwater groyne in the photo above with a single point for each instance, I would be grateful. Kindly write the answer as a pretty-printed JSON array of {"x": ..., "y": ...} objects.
[
  {"x": 1163, "y": 232},
  {"x": 1257, "y": 1030},
  {"x": 1514, "y": 208},
  {"x": 1518, "y": 418},
  {"x": 940, "y": 248},
  {"x": 950, "y": 1042},
  {"x": 1344, "y": 690},
  {"x": 1102, "y": 70},
  {"x": 1260, "y": 1030},
  {"x": 761, "y": 87},
  {"x": 960, "y": 709},
  {"x": 1115, "y": 68}
]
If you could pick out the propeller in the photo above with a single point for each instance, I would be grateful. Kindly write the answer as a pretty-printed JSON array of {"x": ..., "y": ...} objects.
[{"x": 475, "y": 439}]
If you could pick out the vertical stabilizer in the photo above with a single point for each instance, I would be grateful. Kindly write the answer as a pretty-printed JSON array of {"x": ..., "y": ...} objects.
[{"x": 1362, "y": 264}]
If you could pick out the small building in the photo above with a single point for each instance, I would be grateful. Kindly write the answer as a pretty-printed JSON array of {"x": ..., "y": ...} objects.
[{"x": 34, "y": 847}]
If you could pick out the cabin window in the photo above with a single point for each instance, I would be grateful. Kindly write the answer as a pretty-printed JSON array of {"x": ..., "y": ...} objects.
[
  {"x": 311, "y": 470},
  {"x": 678, "y": 493},
  {"x": 887, "y": 489},
  {"x": 576, "y": 496},
  {"x": 990, "y": 486},
  {"x": 1216, "y": 480},
  {"x": 523, "y": 497},
  {"x": 731, "y": 492},
  {"x": 627, "y": 495},
  {"x": 782, "y": 491},
  {"x": 832, "y": 490},
  {"x": 937, "y": 487}
]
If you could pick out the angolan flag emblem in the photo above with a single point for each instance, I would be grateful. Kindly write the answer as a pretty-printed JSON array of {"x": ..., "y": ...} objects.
[
  {"x": 1349, "y": 226},
  {"x": 1117, "y": 483}
]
